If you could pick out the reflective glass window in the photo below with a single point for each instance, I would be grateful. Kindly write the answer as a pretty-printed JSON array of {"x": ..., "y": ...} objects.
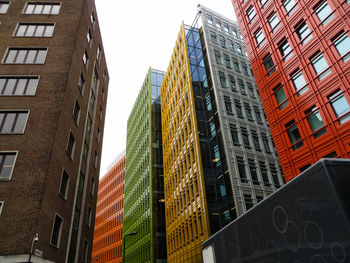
[{"x": 320, "y": 66}]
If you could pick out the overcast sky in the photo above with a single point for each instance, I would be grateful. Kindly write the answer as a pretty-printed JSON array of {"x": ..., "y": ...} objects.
[{"x": 136, "y": 35}]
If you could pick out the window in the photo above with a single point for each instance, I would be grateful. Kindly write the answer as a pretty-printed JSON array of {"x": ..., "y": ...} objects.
[
  {"x": 92, "y": 19},
  {"x": 245, "y": 69},
  {"x": 303, "y": 168},
  {"x": 18, "y": 86},
  {"x": 234, "y": 32},
  {"x": 259, "y": 37},
  {"x": 280, "y": 97},
  {"x": 222, "y": 80},
  {"x": 56, "y": 230},
  {"x": 340, "y": 106},
  {"x": 7, "y": 162},
  {"x": 264, "y": 2},
  {"x": 253, "y": 173},
  {"x": 274, "y": 22},
  {"x": 294, "y": 135},
  {"x": 95, "y": 159},
  {"x": 264, "y": 175},
  {"x": 88, "y": 218},
  {"x": 299, "y": 82},
  {"x": 256, "y": 141},
  {"x": 238, "y": 109},
  {"x": 218, "y": 24},
  {"x": 228, "y": 105},
  {"x": 64, "y": 184},
  {"x": 222, "y": 41},
  {"x": 95, "y": 79},
  {"x": 331, "y": 155},
  {"x": 42, "y": 8},
  {"x": 85, "y": 58},
  {"x": 265, "y": 142},
  {"x": 92, "y": 190},
  {"x": 218, "y": 57},
  {"x": 4, "y": 5},
  {"x": 315, "y": 121},
  {"x": 342, "y": 44},
  {"x": 248, "y": 201},
  {"x": 1, "y": 206},
  {"x": 290, "y": 6},
  {"x": 230, "y": 45},
  {"x": 13, "y": 122},
  {"x": 251, "y": 90},
  {"x": 303, "y": 33},
  {"x": 239, "y": 48},
  {"x": 285, "y": 49},
  {"x": 25, "y": 56},
  {"x": 92, "y": 101},
  {"x": 34, "y": 30},
  {"x": 213, "y": 37},
  {"x": 257, "y": 115},
  {"x": 86, "y": 250},
  {"x": 210, "y": 20},
  {"x": 98, "y": 135},
  {"x": 226, "y": 28},
  {"x": 248, "y": 111},
  {"x": 236, "y": 65},
  {"x": 251, "y": 14},
  {"x": 227, "y": 61},
  {"x": 320, "y": 65},
  {"x": 245, "y": 138},
  {"x": 88, "y": 36},
  {"x": 241, "y": 170},
  {"x": 76, "y": 112},
  {"x": 70, "y": 145},
  {"x": 241, "y": 86},
  {"x": 274, "y": 175},
  {"x": 269, "y": 65},
  {"x": 88, "y": 124},
  {"x": 324, "y": 13},
  {"x": 100, "y": 113},
  {"x": 232, "y": 83},
  {"x": 234, "y": 135},
  {"x": 81, "y": 83}
]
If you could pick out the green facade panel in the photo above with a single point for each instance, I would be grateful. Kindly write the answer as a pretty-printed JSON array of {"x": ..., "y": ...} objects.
[{"x": 143, "y": 189}]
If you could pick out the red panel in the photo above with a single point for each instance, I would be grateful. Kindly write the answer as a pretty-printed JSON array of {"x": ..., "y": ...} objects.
[{"x": 337, "y": 137}]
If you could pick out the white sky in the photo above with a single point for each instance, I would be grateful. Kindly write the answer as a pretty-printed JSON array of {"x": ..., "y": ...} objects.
[{"x": 136, "y": 35}]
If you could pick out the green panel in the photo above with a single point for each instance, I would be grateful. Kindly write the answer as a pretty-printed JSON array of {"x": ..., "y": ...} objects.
[{"x": 139, "y": 188}]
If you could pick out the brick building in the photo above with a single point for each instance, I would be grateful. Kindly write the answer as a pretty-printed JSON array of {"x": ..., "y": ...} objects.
[
  {"x": 109, "y": 214},
  {"x": 53, "y": 91},
  {"x": 299, "y": 52}
]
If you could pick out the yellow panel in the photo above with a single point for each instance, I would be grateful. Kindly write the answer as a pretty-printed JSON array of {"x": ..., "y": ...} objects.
[{"x": 185, "y": 199}]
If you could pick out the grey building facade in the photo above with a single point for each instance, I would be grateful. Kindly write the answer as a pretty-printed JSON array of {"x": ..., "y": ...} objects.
[{"x": 252, "y": 162}]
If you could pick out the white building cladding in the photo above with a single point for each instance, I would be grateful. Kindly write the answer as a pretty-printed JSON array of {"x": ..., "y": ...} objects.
[{"x": 252, "y": 161}]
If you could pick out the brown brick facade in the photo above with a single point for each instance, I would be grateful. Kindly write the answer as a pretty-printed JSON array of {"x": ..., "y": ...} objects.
[{"x": 31, "y": 197}]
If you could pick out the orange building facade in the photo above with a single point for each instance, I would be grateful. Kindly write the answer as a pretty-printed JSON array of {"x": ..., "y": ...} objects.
[
  {"x": 300, "y": 55},
  {"x": 107, "y": 246}
]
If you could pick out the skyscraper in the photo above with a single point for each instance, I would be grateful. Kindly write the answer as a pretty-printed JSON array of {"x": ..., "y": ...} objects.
[
  {"x": 144, "y": 189},
  {"x": 53, "y": 91},
  {"x": 218, "y": 158},
  {"x": 299, "y": 52},
  {"x": 109, "y": 214}
]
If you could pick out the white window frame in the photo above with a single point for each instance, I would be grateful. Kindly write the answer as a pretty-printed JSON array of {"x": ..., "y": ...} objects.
[
  {"x": 13, "y": 166},
  {"x": 59, "y": 189},
  {"x": 43, "y": 3},
  {"x": 20, "y": 77},
  {"x": 5, "y": 2},
  {"x": 14, "y": 34},
  {"x": 23, "y": 48},
  {"x": 60, "y": 231},
  {"x": 1, "y": 206},
  {"x": 19, "y": 110},
  {"x": 75, "y": 141}
]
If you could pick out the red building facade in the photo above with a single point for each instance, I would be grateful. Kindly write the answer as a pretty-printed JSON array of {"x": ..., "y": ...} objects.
[
  {"x": 107, "y": 245},
  {"x": 300, "y": 55}
]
